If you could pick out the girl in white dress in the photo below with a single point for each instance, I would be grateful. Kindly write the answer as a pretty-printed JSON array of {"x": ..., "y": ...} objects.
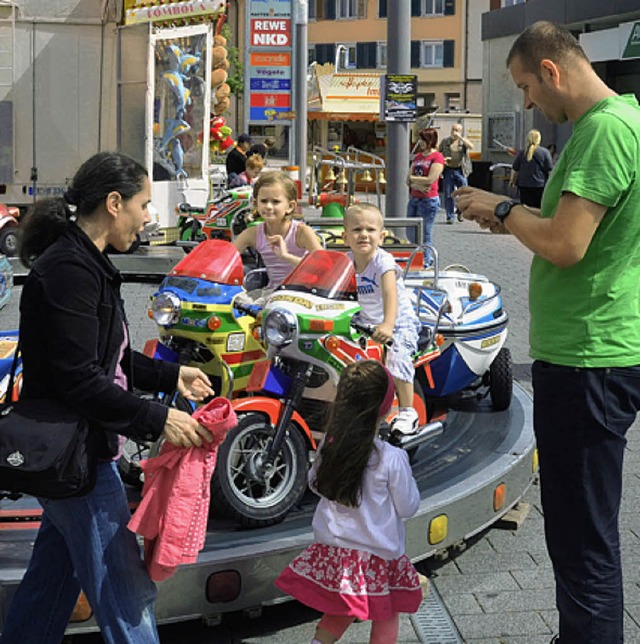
[{"x": 357, "y": 567}]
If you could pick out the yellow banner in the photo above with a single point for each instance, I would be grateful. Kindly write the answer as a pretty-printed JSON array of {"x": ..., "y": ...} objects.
[{"x": 137, "y": 12}]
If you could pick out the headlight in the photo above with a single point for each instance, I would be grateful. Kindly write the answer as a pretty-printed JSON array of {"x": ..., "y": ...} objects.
[
  {"x": 279, "y": 327},
  {"x": 165, "y": 308}
]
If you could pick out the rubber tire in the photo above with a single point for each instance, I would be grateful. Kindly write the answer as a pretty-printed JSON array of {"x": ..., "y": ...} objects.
[
  {"x": 258, "y": 511},
  {"x": 133, "y": 452},
  {"x": 9, "y": 241},
  {"x": 501, "y": 380}
]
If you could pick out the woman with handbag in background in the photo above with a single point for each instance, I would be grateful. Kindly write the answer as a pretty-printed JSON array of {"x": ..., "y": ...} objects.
[{"x": 75, "y": 350}]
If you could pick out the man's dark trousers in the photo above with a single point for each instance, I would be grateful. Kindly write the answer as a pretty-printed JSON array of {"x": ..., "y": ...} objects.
[{"x": 581, "y": 417}]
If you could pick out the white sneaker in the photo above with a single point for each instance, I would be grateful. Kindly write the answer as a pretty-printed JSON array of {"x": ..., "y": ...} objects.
[{"x": 406, "y": 422}]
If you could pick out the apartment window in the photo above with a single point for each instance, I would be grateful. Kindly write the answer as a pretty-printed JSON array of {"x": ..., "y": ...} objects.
[
  {"x": 312, "y": 10},
  {"x": 433, "y": 8},
  {"x": 346, "y": 8},
  {"x": 381, "y": 55},
  {"x": 347, "y": 58},
  {"x": 311, "y": 53},
  {"x": 452, "y": 102},
  {"x": 431, "y": 53},
  {"x": 382, "y": 8}
]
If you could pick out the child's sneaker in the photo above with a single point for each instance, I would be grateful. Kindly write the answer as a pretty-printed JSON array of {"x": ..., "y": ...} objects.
[{"x": 406, "y": 422}]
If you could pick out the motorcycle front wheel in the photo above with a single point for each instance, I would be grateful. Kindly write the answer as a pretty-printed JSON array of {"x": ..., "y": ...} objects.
[
  {"x": 248, "y": 488},
  {"x": 133, "y": 451}
]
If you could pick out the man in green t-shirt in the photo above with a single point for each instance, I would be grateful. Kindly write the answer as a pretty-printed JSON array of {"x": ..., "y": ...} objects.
[{"x": 585, "y": 319}]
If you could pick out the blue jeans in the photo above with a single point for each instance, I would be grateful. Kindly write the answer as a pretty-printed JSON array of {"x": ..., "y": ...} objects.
[
  {"x": 427, "y": 209},
  {"x": 452, "y": 179},
  {"x": 84, "y": 543},
  {"x": 581, "y": 417}
]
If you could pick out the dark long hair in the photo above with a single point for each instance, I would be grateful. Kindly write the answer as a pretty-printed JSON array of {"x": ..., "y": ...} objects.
[
  {"x": 350, "y": 430},
  {"x": 99, "y": 175}
]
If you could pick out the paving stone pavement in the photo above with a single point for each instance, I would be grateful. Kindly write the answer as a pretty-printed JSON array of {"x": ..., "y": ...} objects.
[{"x": 499, "y": 589}]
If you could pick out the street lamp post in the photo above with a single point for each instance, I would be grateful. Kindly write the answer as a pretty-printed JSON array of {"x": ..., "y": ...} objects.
[
  {"x": 301, "y": 13},
  {"x": 399, "y": 62}
]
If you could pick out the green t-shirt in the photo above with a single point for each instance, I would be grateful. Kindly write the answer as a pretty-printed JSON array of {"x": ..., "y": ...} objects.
[{"x": 588, "y": 315}]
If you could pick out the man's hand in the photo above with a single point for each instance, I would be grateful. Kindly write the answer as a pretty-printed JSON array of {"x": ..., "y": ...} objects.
[
  {"x": 479, "y": 205},
  {"x": 194, "y": 384}
]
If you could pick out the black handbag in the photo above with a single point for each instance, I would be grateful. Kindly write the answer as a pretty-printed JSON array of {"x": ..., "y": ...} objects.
[{"x": 46, "y": 450}]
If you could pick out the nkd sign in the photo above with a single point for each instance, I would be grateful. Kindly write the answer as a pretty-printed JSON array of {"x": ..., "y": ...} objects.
[{"x": 270, "y": 32}]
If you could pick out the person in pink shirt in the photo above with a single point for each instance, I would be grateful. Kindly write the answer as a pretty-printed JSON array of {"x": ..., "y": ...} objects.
[
  {"x": 426, "y": 168},
  {"x": 357, "y": 567}
]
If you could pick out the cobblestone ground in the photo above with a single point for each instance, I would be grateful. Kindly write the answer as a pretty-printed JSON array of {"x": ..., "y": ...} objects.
[{"x": 499, "y": 590}]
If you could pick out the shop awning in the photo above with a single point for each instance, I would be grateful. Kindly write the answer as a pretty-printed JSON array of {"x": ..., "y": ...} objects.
[
  {"x": 332, "y": 94},
  {"x": 341, "y": 116}
]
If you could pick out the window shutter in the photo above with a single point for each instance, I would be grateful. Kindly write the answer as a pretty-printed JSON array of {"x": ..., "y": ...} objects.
[
  {"x": 366, "y": 55},
  {"x": 415, "y": 53},
  {"x": 325, "y": 53},
  {"x": 449, "y": 8},
  {"x": 361, "y": 9},
  {"x": 330, "y": 10},
  {"x": 382, "y": 8},
  {"x": 321, "y": 9},
  {"x": 416, "y": 8},
  {"x": 448, "y": 53}
]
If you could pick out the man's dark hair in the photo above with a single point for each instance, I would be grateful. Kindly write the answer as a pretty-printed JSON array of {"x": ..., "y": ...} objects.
[{"x": 545, "y": 40}]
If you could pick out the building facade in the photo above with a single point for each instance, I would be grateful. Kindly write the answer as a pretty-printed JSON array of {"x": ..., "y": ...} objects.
[{"x": 609, "y": 32}]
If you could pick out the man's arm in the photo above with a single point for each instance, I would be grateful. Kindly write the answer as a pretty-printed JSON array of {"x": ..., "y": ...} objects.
[{"x": 562, "y": 239}]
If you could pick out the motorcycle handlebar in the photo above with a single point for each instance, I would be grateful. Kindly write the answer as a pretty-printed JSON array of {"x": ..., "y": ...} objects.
[
  {"x": 250, "y": 309},
  {"x": 367, "y": 329}
]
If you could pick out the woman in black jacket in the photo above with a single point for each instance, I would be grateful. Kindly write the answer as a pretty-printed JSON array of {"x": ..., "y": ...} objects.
[{"x": 75, "y": 349}]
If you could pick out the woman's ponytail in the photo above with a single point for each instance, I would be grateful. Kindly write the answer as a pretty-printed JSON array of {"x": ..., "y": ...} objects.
[{"x": 42, "y": 225}]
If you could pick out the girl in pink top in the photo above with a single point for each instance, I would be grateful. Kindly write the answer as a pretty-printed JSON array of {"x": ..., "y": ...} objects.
[
  {"x": 281, "y": 241},
  {"x": 357, "y": 567}
]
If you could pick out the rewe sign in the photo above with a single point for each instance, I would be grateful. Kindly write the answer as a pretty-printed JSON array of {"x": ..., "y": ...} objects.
[{"x": 271, "y": 32}]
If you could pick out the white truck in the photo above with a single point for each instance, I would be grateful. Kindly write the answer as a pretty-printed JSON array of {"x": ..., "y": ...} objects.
[{"x": 57, "y": 98}]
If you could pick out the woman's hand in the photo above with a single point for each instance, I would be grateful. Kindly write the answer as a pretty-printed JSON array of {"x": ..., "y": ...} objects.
[
  {"x": 183, "y": 431},
  {"x": 194, "y": 384}
]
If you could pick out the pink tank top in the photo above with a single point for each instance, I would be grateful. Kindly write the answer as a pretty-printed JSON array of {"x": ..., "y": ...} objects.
[{"x": 278, "y": 268}]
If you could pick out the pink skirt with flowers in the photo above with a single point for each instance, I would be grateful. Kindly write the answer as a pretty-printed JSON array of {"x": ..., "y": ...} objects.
[{"x": 345, "y": 581}]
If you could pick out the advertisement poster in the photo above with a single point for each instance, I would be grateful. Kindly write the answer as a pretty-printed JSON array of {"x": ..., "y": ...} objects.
[
  {"x": 269, "y": 72},
  {"x": 399, "y": 97}
]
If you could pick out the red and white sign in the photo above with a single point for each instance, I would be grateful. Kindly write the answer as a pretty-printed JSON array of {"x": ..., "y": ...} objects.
[
  {"x": 270, "y": 32},
  {"x": 270, "y": 100}
]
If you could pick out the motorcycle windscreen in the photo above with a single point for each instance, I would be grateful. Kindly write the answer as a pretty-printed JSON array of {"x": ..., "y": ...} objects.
[
  {"x": 327, "y": 273},
  {"x": 214, "y": 260}
]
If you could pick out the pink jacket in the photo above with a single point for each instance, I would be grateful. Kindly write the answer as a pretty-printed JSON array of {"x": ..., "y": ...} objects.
[{"x": 173, "y": 513}]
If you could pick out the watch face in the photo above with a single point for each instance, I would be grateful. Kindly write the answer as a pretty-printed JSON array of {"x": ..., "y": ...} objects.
[{"x": 503, "y": 209}]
